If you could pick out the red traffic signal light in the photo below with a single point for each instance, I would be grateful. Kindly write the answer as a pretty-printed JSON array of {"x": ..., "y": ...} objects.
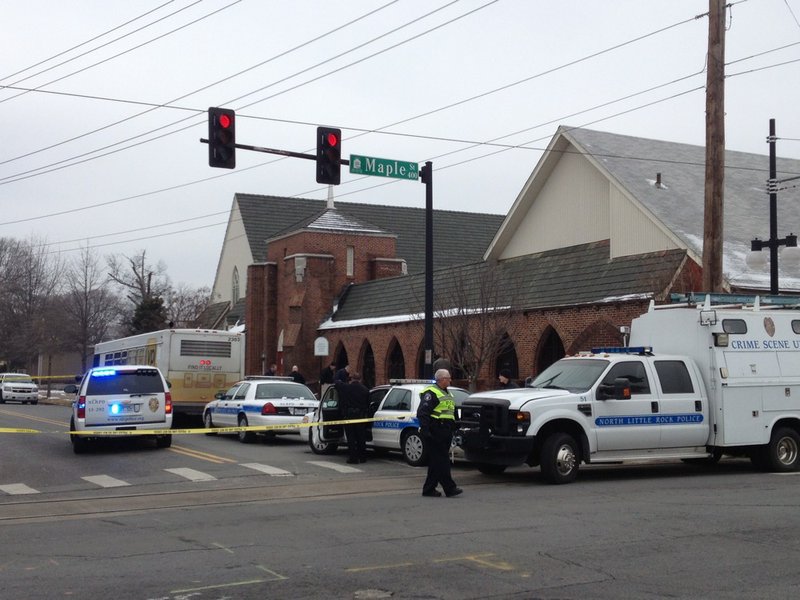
[
  {"x": 221, "y": 138},
  {"x": 329, "y": 155}
]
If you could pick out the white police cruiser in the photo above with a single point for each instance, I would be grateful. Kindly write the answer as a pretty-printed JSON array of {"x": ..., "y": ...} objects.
[
  {"x": 396, "y": 426},
  {"x": 259, "y": 401},
  {"x": 121, "y": 398}
]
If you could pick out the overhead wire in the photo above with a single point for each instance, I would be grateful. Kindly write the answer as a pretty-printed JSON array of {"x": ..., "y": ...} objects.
[
  {"x": 89, "y": 41},
  {"x": 169, "y": 103},
  {"x": 58, "y": 165},
  {"x": 150, "y": 41}
]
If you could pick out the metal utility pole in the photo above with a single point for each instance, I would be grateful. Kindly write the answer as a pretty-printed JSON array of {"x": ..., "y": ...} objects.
[
  {"x": 427, "y": 178},
  {"x": 715, "y": 149}
]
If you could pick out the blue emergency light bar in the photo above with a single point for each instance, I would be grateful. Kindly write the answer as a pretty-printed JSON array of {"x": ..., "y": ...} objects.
[
  {"x": 623, "y": 350},
  {"x": 104, "y": 372}
]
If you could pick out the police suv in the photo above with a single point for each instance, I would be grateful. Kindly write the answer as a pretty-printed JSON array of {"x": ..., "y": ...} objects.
[
  {"x": 395, "y": 427},
  {"x": 697, "y": 382},
  {"x": 120, "y": 398}
]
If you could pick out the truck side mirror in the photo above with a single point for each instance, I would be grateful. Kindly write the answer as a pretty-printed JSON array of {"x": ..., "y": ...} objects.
[
  {"x": 71, "y": 389},
  {"x": 619, "y": 390}
]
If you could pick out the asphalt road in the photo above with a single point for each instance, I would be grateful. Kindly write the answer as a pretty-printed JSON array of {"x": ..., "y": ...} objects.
[{"x": 125, "y": 521}]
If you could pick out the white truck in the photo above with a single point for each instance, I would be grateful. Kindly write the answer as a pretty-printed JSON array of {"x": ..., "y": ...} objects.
[{"x": 695, "y": 382}]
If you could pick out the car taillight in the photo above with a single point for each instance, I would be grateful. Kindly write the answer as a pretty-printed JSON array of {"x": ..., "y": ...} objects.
[
  {"x": 269, "y": 409},
  {"x": 168, "y": 403},
  {"x": 82, "y": 407}
]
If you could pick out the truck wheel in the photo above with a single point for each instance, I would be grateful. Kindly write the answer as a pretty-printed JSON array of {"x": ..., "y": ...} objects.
[
  {"x": 783, "y": 450},
  {"x": 163, "y": 441},
  {"x": 246, "y": 437},
  {"x": 414, "y": 449},
  {"x": 559, "y": 461},
  {"x": 79, "y": 443},
  {"x": 489, "y": 469}
]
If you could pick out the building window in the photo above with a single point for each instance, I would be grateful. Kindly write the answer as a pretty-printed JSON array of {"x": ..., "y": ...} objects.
[
  {"x": 351, "y": 260},
  {"x": 235, "y": 286}
]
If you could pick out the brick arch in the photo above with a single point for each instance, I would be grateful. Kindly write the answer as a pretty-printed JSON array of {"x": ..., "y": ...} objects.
[
  {"x": 340, "y": 358},
  {"x": 597, "y": 333},
  {"x": 395, "y": 362},
  {"x": 507, "y": 356},
  {"x": 366, "y": 363},
  {"x": 549, "y": 349}
]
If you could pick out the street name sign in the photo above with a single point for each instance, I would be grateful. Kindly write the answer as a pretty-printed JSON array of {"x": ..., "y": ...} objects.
[{"x": 383, "y": 167}]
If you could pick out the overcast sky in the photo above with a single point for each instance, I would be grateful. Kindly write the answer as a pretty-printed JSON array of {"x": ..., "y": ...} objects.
[{"x": 105, "y": 151}]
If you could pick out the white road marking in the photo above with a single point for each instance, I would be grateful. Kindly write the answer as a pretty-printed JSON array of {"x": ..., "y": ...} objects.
[
  {"x": 335, "y": 466},
  {"x": 274, "y": 471},
  {"x": 191, "y": 474},
  {"x": 105, "y": 481},
  {"x": 17, "y": 488}
]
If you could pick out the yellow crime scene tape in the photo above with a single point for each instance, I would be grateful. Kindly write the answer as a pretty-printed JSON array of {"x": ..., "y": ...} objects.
[{"x": 203, "y": 430}]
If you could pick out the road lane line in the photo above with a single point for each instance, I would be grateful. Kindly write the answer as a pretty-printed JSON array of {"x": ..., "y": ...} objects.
[
  {"x": 201, "y": 455},
  {"x": 335, "y": 466},
  {"x": 269, "y": 470},
  {"x": 17, "y": 488},
  {"x": 33, "y": 418},
  {"x": 105, "y": 481},
  {"x": 191, "y": 474}
]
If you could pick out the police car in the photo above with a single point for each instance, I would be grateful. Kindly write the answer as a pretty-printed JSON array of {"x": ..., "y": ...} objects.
[
  {"x": 396, "y": 426},
  {"x": 258, "y": 401},
  {"x": 121, "y": 398}
]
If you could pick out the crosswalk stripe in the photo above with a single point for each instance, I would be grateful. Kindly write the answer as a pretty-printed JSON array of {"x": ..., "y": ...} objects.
[
  {"x": 335, "y": 466},
  {"x": 191, "y": 474},
  {"x": 275, "y": 471},
  {"x": 105, "y": 481},
  {"x": 17, "y": 488}
]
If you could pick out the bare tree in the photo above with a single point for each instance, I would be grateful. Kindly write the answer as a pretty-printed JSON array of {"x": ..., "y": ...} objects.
[
  {"x": 32, "y": 282},
  {"x": 185, "y": 304},
  {"x": 89, "y": 305},
  {"x": 474, "y": 310},
  {"x": 140, "y": 279}
]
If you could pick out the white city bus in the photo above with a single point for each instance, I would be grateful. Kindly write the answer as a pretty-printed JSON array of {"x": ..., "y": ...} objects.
[{"x": 198, "y": 363}]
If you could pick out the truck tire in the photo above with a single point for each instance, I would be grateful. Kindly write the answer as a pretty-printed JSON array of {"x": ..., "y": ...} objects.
[
  {"x": 782, "y": 454},
  {"x": 164, "y": 441},
  {"x": 559, "y": 460}
]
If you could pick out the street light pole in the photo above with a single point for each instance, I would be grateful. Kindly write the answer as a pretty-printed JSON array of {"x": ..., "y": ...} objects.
[{"x": 773, "y": 243}]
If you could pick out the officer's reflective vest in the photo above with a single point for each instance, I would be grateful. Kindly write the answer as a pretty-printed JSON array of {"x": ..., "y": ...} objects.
[{"x": 446, "y": 408}]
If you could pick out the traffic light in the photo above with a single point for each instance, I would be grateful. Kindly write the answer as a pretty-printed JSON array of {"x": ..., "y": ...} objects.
[
  {"x": 329, "y": 154},
  {"x": 221, "y": 138}
]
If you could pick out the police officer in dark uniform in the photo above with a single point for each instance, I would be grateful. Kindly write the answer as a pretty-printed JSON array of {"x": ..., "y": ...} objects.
[
  {"x": 354, "y": 400},
  {"x": 437, "y": 419}
]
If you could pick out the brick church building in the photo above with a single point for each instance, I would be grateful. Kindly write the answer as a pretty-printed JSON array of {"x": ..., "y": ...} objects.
[{"x": 604, "y": 225}]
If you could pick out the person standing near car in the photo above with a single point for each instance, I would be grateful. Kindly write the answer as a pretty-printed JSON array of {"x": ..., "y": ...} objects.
[
  {"x": 297, "y": 376},
  {"x": 437, "y": 419},
  {"x": 504, "y": 380},
  {"x": 343, "y": 374},
  {"x": 354, "y": 401}
]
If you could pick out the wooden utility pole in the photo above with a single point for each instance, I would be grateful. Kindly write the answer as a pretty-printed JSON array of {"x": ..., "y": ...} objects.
[{"x": 715, "y": 149}]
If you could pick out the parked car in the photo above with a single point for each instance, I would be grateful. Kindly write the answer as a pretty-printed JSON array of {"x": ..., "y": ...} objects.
[
  {"x": 19, "y": 387},
  {"x": 258, "y": 401},
  {"x": 396, "y": 428},
  {"x": 123, "y": 397}
]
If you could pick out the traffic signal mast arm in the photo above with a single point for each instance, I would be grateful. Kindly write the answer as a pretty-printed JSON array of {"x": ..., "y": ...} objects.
[{"x": 276, "y": 151}]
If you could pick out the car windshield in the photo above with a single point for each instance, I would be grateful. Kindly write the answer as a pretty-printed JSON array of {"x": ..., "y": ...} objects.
[
  {"x": 266, "y": 391},
  {"x": 18, "y": 378},
  {"x": 575, "y": 375},
  {"x": 110, "y": 381}
]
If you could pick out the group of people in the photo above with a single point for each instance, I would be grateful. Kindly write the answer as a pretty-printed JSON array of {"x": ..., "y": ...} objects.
[
  {"x": 295, "y": 374},
  {"x": 436, "y": 416}
]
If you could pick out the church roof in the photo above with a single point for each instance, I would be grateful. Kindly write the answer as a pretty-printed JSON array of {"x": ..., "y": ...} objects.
[
  {"x": 576, "y": 275},
  {"x": 679, "y": 201},
  {"x": 459, "y": 237}
]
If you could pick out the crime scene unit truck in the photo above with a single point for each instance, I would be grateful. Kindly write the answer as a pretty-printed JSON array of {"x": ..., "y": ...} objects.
[
  {"x": 696, "y": 382},
  {"x": 198, "y": 363}
]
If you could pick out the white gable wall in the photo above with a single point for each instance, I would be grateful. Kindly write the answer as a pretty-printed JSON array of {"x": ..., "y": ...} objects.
[
  {"x": 235, "y": 253},
  {"x": 578, "y": 204}
]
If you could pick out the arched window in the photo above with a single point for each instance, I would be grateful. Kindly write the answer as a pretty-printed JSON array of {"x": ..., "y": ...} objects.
[
  {"x": 367, "y": 365},
  {"x": 506, "y": 357},
  {"x": 396, "y": 369},
  {"x": 235, "y": 286}
]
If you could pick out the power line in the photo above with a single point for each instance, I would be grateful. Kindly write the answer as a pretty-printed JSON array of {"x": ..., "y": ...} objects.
[
  {"x": 168, "y": 104},
  {"x": 105, "y": 60},
  {"x": 97, "y": 37},
  {"x": 55, "y": 166}
]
